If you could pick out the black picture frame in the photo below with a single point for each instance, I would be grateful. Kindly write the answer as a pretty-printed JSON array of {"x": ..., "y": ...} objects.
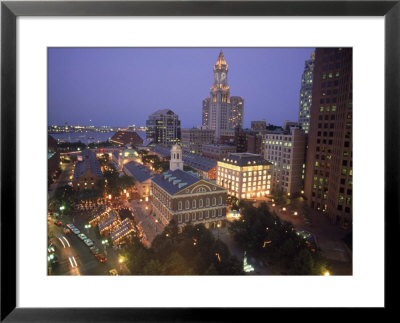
[{"x": 10, "y": 10}]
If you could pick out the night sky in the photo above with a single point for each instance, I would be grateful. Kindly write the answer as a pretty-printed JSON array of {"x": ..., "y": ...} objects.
[{"x": 123, "y": 86}]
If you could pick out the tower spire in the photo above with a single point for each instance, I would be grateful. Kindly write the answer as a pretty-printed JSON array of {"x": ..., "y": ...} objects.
[{"x": 221, "y": 62}]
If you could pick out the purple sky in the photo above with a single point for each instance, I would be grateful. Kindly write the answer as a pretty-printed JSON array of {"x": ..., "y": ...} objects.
[{"x": 122, "y": 86}]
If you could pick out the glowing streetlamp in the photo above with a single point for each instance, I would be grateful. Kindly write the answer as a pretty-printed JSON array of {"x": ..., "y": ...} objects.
[{"x": 327, "y": 273}]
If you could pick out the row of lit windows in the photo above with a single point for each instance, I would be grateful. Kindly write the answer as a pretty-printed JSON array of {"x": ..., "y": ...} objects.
[
  {"x": 194, "y": 203},
  {"x": 199, "y": 216}
]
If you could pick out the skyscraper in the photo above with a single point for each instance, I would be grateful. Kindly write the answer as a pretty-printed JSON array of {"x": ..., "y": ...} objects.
[
  {"x": 206, "y": 111},
  {"x": 217, "y": 113},
  {"x": 329, "y": 165},
  {"x": 306, "y": 94},
  {"x": 163, "y": 127},
  {"x": 236, "y": 112}
]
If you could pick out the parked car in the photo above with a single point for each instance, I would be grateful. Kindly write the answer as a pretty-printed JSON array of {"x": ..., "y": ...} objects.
[
  {"x": 76, "y": 231},
  {"x": 70, "y": 226},
  {"x": 58, "y": 223},
  {"x": 94, "y": 250},
  {"x": 82, "y": 236},
  {"x": 88, "y": 242},
  {"x": 51, "y": 248},
  {"x": 67, "y": 231},
  {"x": 101, "y": 258},
  {"x": 113, "y": 272}
]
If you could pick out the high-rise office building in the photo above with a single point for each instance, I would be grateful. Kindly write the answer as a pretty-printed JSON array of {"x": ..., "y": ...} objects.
[
  {"x": 217, "y": 112},
  {"x": 236, "y": 112},
  {"x": 306, "y": 94},
  {"x": 163, "y": 127},
  {"x": 285, "y": 150},
  {"x": 206, "y": 111},
  {"x": 329, "y": 166}
]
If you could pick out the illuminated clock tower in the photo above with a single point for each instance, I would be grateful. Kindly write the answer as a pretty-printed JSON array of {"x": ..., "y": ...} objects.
[
  {"x": 219, "y": 105},
  {"x": 220, "y": 111}
]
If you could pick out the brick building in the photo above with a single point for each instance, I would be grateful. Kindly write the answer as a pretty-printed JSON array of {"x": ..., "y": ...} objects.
[{"x": 188, "y": 199}]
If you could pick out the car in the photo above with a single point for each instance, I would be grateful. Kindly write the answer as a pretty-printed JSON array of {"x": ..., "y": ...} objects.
[
  {"x": 88, "y": 242},
  {"x": 58, "y": 223},
  {"x": 51, "y": 248},
  {"x": 67, "y": 231},
  {"x": 70, "y": 226},
  {"x": 113, "y": 272},
  {"x": 94, "y": 250},
  {"x": 101, "y": 258},
  {"x": 82, "y": 236},
  {"x": 76, "y": 231}
]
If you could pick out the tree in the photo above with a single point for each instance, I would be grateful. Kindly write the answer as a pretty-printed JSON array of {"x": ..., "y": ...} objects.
[
  {"x": 176, "y": 265},
  {"x": 263, "y": 234},
  {"x": 279, "y": 197}
]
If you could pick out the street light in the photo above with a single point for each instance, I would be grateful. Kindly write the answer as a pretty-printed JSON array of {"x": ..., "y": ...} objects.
[{"x": 218, "y": 226}]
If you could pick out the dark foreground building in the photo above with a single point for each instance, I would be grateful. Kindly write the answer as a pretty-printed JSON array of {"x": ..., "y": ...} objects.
[
  {"x": 127, "y": 138},
  {"x": 329, "y": 166}
]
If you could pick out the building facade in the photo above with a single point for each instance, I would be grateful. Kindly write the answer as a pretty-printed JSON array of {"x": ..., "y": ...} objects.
[
  {"x": 194, "y": 138},
  {"x": 205, "y": 112},
  {"x": 217, "y": 152},
  {"x": 236, "y": 112},
  {"x": 286, "y": 151},
  {"x": 217, "y": 113},
  {"x": 259, "y": 125},
  {"x": 245, "y": 175},
  {"x": 306, "y": 94},
  {"x": 163, "y": 128},
  {"x": 329, "y": 167}
]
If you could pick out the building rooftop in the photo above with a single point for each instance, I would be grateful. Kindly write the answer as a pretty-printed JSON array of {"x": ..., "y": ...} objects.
[
  {"x": 112, "y": 217},
  {"x": 89, "y": 162},
  {"x": 139, "y": 172},
  {"x": 127, "y": 138},
  {"x": 245, "y": 159},
  {"x": 189, "y": 159},
  {"x": 124, "y": 228},
  {"x": 163, "y": 112},
  {"x": 174, "y": 181}
]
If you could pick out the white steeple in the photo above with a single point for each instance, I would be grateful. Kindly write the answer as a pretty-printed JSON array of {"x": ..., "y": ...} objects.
[{"x": 176, "y": 158}]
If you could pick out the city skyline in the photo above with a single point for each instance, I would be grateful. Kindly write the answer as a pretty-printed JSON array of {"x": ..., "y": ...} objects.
[{"x": 122, "y": 86}]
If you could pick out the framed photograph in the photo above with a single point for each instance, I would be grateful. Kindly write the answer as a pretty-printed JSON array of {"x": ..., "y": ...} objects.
[{"x": 106, "y": 73}]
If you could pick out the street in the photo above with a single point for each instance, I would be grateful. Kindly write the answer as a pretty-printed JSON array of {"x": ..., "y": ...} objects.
[
  {"x": 145, "y": 220},
  {"x": 86, "y": 261}
]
